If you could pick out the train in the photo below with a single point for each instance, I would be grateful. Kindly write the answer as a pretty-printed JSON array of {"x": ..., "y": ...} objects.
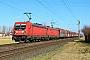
[{"x": 28, "y": 31}]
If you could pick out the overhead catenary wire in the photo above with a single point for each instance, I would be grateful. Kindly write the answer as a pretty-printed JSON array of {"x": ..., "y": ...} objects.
[
  {"x": 68, "y": 9},
  {"x": 67, "y": 6},
  {"x": 33, "y": 14},
  {"x": 29, "y": 10},
  {"x": 51, "y": 7},
  {"x": 20, "y": 9},
  {"x": 52, "y": 11},
  {"x": 23, "y": 10},
  {"x": 12, "y": 6},
  {"x": 56, "y": 12}
]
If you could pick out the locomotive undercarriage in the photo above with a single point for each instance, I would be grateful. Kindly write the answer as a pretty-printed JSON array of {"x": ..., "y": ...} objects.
[
  {"x": 32, "y": 38},
  {"x": 19, "y": 38}
]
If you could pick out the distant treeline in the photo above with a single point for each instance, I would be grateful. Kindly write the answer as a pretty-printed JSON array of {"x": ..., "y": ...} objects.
[
  {"x": 86, "y": 31},
  {"x": 5, "y": 29}
]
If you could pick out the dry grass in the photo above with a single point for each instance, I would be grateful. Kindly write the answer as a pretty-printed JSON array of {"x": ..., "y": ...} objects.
[
  {"x": 72, "y": 51},
  {"x": 6, "y": 40}
]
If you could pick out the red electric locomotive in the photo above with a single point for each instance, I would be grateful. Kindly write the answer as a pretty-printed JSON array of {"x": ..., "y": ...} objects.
[{"x": 27, "y": 31}]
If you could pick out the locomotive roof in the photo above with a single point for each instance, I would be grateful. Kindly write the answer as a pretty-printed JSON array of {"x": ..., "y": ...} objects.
[
  {"x": 37, "y": 24},
  {"x": 54, "y": 28},
  {"x": 20, "y": 22}
]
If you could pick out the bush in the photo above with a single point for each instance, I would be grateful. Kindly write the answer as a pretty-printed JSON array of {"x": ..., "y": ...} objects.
[{"x": 86, "y": 31}]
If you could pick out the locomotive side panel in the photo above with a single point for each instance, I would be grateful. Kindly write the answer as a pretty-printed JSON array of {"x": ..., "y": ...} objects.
[
  {"x": 55, "y": 33},
  {"x": 38, "y": 31},
  {"x": 43, "y": 31},
  {"x": 48, "y": 31},
  {"x": 35, "y": 31},
  {"x": 28, "y": 29}
]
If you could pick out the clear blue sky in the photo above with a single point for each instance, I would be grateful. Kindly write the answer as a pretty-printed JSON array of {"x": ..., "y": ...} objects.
[{"x": 64, "y": 13}]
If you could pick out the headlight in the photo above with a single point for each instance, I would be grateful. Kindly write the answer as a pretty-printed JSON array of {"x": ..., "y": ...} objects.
[
  {"x": 16, "y": 31},
  {"x": 22, "y": 31}
]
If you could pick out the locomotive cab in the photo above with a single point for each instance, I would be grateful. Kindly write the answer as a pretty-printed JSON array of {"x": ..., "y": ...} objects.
[{"x": 21, "y": 30}]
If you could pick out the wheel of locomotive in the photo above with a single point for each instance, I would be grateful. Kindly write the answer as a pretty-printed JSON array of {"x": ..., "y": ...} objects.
[
  {"x": 39, "y": 40},
  {"x": 34, "y": 40},
  {"x": 47, "y": 38},
  {"x": 31, "y": 40},
  {"x": 26, "y": 41}
]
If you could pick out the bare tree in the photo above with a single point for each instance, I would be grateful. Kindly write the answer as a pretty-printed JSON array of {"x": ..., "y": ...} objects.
[
  {"x": 86, "y": 31},
  {"x": 8, "y": 30},
  {"x": 4, "y": 29}
]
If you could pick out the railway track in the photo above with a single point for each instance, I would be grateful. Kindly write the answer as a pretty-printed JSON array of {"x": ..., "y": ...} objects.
[{"x": 30, "y": 48}]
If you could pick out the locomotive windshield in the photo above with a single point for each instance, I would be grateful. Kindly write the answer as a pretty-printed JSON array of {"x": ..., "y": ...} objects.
[{"x": 20, "y": 26}]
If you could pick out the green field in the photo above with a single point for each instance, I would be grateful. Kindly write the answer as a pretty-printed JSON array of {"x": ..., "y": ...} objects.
[
  {"x": 77, "y": 50},
  {"x": 6, "y": 40}
]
